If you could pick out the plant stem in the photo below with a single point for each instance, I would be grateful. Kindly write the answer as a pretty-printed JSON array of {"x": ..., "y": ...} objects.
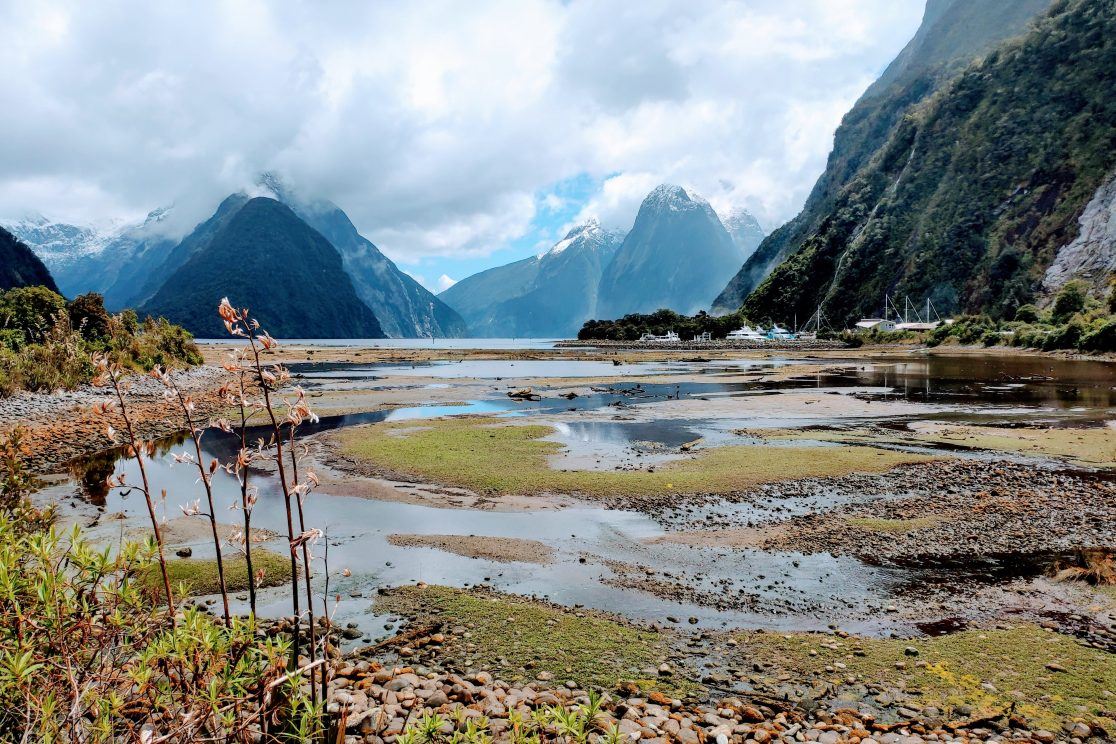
[
  {"x": 146, "y": 491},
  {"x": 244, "y": 499},
  {"x": 194, "y": 435}
]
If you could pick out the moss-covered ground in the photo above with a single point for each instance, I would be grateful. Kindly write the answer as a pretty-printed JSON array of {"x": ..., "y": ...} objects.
[
  {"x": 987, "y": 670},
  {"x": 1095, "y": 447},
  {"x": 493, "y": 456},
  {"x": 895, "y": 526},
  {"x": 198, "y": 576},
  {"x": 516, "y": 639}
]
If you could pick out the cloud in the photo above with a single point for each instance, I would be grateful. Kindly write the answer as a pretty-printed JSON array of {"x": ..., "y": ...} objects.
[
  {"x": 441, "y": 128},
  {"x": 445, "y": 282}
]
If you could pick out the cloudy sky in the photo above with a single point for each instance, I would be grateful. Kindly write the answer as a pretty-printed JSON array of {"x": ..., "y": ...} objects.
[{"x": 457, "y": 135}]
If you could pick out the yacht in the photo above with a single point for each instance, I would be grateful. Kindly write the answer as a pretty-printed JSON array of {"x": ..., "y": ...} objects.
[
  {"x": 778, "y": 333},
  {"x": 746, "y": 333},
  {"x": 670, "y": 338}
]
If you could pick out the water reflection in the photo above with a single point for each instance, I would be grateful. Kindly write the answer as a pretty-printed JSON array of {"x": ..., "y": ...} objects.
[{"x": 780, "y": 590}]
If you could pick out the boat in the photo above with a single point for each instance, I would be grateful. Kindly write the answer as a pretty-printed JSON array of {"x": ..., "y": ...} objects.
[
  {"x": 778, "y": 333},
  {"x": 670, "y": 338},
  {"x": 746, "y": 333}
]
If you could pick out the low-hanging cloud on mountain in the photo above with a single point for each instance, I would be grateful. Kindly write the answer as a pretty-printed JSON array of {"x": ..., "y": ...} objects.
[{"x": 439, "y": 127}]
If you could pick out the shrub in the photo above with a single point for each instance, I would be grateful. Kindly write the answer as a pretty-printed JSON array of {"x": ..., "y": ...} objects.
[
  {"x": 1066, "y": 336},
  {"x": 32, "y": 311},
  {"x": 1027, "y": 314},
  {"x": 1101, "y": 338},
  {"x": 1069, "y": 302},
  {"x": 89, "y": 317},
  {"x": 46, "y": 345}
]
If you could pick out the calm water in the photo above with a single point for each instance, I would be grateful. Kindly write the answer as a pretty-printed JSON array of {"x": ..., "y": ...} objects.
[
  {"x": 414, "y": 343},
  {"x": 785, "y": 591}
]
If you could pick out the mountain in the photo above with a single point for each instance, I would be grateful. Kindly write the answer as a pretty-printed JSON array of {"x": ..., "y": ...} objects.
[
  {"x": 129, "y": 264},
  {"x": 262, "y": 256},
  {"x": 972, "y": 196},
  {"x": 404, "y": 307},
  {"x": 678, "y": 255},
  {"x": 114, "y": 262},
  {"x": 546, "y": 296},
  {"x": 19, "y": 266},
  {"x": 952, "y": 35},
  {"x": 745, "y": 231}
]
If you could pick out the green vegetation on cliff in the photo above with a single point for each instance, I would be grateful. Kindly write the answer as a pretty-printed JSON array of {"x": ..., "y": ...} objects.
[
  {"x": 953, "y": 33},
  {"x": 19, "y": 267},
  {"x": 975, "y": 189},
  {"x": 278, "y": 266}
]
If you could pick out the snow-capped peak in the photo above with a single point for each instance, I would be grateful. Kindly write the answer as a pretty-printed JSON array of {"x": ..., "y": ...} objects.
[
  {"x": 739, "y": 218},
  {"x": 588, "y": 232},
  {"x": 669, "y": 196}
]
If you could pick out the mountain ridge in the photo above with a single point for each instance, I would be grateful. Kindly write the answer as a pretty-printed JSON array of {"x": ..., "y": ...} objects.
[
  {"x": 912, "y": 78},
  {"x": 971, "y": 197},
  {"x": 548, "y": 295},
  {"x": 235, "y": 254},
  {"x": 677, "y": 255},
  {"x": 20, "y": 267}
]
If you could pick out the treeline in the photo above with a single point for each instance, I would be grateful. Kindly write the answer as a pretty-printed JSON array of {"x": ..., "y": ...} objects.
[
  {"x": 47, "y": 343},
  {"x": 631, "y": 327},
  {"x": 1075, "y": 321}
]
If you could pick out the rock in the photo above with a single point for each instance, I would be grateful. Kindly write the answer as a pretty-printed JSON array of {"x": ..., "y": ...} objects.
[
  {"x": 1043, "y": 736},
  {"x": 184, "y": 552},
  {"x": 437, "y": 700},
  {"x": 1081, "y": 730}
]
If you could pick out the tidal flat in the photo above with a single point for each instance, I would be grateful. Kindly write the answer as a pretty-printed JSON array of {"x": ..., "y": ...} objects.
[{"x": 706, "y": 522}]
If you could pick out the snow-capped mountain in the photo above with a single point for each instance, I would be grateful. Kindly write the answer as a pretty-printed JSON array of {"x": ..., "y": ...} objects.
[
  {"x": 548, "y": 295},
  {"x": 113, "y": 261},
  {"x": 678, "y": 255},
  {"x": 744, "y": 229}
]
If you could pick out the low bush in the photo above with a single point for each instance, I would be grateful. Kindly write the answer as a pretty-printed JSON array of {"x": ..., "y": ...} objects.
[{"x": 47, "y": 344}]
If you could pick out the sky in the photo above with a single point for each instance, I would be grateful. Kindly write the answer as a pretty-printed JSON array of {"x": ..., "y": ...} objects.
[{"x": 456, "y": 135}]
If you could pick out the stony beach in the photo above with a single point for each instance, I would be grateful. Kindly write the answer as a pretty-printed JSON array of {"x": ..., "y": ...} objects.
[{"x": 995, "y": 519}]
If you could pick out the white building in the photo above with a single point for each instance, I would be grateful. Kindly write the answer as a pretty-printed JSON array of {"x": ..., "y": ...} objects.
[{"x": 875, "y": 324}]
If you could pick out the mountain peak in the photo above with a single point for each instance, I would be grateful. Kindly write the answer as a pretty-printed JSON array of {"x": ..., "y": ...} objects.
[
  {"x": 669, "y": 196},
  {"x": 740, "y": 218},
  {"x": 589, "y": 232}
]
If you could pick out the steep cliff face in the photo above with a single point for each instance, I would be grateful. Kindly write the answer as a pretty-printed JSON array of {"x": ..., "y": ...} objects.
[
  {"x": 404, "y": 307},
  {"x": 263, "y": 257},
  {"x": 19, "y": 266},
  {"x": 953, "y": 33},
  {"x": 974, "y": 192},
  {"x": 677, "y": 256},
  {"x": 1091, "y": 256}
]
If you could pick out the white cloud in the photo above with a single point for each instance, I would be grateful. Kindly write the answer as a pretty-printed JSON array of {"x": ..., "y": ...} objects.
[
  {"x": 445, "y": 282},
  {"x": 439, "y": 127}
]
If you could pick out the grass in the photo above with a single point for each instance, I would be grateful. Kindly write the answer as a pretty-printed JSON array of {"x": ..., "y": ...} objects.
[
  {"x": 988, "y": 670},
  {"x": 581, "y": 646},
  {"x": 198, "y": 576},
  {"x": 491, "y": 456},
  {"x": 1094, "y": 447},
  {"x": 894, "y": 526}
]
